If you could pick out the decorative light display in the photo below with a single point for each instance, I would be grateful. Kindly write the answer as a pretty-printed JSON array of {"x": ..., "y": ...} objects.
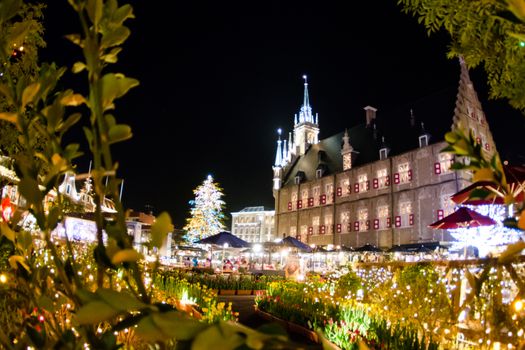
[
  {"x": 206, "y": 212},
  {"x": 486, "y": 238}
]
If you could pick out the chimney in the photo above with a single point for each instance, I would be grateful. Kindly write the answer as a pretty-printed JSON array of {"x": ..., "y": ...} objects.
[{"x": 370, "y": 114}]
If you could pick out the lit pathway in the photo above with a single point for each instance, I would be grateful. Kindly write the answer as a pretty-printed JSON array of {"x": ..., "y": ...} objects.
[{"x": 243, "y": 304}]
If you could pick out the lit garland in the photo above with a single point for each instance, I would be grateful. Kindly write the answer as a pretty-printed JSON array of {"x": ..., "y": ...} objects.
[{"x": 486, "y": 238}]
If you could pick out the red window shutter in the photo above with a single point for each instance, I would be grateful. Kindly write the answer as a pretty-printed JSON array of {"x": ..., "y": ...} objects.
[
  {"x": 299, "y": 204},
  {"x": 349, "y": 227},
  {"x": 398, "y": 221},
  {"x": 367, "y": 185},
  {"x": 375, "y": 183},
  {"x": 339, "y": 191},
  {"x": 289, "y": 205},
  {"x": 310, "y": 230},
  {"x": 388, "y": 222},
  {"x": 322, "y": 229},
  {"x": 311, "y": 201},
  {"x": 396, "y": 178},
  {"x": 323, "y": 199},
  {"x": 411, "y": 219},
  {"x": 333, "y": 197},
  {"x": 440, "y": 214},
  {"x": 487, "y": 146},
  {"x": 387, "y": 181},
  {"x": 356, "y": 187},
  {"x": 356, "y": 226},
  {"x": 478, "y": 140},
  {"x": 349, "y": 188},
  {"x": 376, "y": 224},
  {"x": 338, "y": 228},
  {"x": 437, "y": 168},
  {"x": 298, "y": 237},
  {"x": 367, "y": 225},
  {"x": 409, "y": 174}
]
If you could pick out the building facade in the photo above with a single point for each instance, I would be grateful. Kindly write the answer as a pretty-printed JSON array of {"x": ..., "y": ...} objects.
[
  {"x": 254, "y": 224},
  {"x": 350, "y": 189}
]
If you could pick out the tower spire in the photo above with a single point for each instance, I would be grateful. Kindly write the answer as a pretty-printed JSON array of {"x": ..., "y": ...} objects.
[
  {"x": 279, "y": 154},
  {"x": 306, "y": 102},
  {"x": 306, "y": 129},
  {"x": 469, "y": 115}
]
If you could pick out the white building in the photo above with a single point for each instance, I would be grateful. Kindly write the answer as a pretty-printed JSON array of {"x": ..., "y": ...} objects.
[{"x": 254, "y": 224}]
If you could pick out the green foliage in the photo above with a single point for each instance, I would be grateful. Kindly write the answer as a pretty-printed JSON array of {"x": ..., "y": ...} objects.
[
  {"x": 348, "y": 283},
  {"x": 55, "y": 298},
  {"x": 160, "y": 229},
  {"x": 20, "y": 21},
  {"x": 485, "y": 32}
]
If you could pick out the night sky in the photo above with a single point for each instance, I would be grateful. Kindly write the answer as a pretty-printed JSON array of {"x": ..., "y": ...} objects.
[{"x": 218, "y": 78}]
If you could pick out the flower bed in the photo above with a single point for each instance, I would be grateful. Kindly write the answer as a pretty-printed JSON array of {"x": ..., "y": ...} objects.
[
  {"x": 243, "y": 284},
  {"x": 190, "y": 296},
  {"x": 316, "y": 306}
]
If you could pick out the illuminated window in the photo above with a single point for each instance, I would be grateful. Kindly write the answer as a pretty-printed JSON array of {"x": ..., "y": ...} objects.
[
  {"x": 383, "y": 215},
  {"x": 315, "y": 224},
  {"x": 382, "y": 178},
  {"x": 347, "y": 161},
  {"x": 362, "y": 180},
  {"x": 445, "y": 162},
  {"x": 345, "y": 187},
  {"x": 405, "y": 211},
  {"x": 344, "y": 220},
  {"x": 362, "y": 217},
  {"x": 405, "y": 173},
  {"x": 328, "y": 223},
  {"x": 317, "y": 194},
  {"x": 329, "y": 191},
  {"x": 304, "y": 230},
  {"x": 294, "y": 200},
  {"x": 304, "y": 196}
]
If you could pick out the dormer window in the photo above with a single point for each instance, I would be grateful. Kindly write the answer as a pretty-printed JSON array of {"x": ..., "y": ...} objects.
[
  {"x": 299, "y": 176},
  {"x": 423, "y": 141},
  {"x": 68, "y": 189},
  {"x": 383, "y": 153},
  {"x": 320, "y": 171}
]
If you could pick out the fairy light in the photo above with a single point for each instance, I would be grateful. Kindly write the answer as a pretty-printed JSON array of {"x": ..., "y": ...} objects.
[
  {"x": 3, "y": 278},
  {"x": 486, "y": 238},
  {"x": 518, "y": 305}
]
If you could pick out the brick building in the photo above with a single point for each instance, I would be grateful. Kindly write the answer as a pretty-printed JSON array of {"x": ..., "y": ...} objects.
[{"x": 363, "y": 186}]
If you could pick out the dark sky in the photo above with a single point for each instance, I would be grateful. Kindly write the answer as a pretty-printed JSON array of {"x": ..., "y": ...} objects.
[{"x": 217, "y": 78}]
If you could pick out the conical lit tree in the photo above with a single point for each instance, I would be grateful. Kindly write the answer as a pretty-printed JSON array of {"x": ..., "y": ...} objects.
[{"x": 207, "y": 218}]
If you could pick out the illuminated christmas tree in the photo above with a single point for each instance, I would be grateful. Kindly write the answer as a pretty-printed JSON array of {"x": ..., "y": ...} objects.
[{"x": 207, "y": 218}]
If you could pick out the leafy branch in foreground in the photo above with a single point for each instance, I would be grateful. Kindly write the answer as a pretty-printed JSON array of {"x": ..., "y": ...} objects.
[
  {"x": 59, "y": 306},
  {"x": 487, "y": 32}
]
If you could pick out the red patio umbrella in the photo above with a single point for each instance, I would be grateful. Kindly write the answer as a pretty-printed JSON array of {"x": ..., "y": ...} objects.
[
  {"x": 484, "y": 192},
  {"x": 463, "y": 217}
]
